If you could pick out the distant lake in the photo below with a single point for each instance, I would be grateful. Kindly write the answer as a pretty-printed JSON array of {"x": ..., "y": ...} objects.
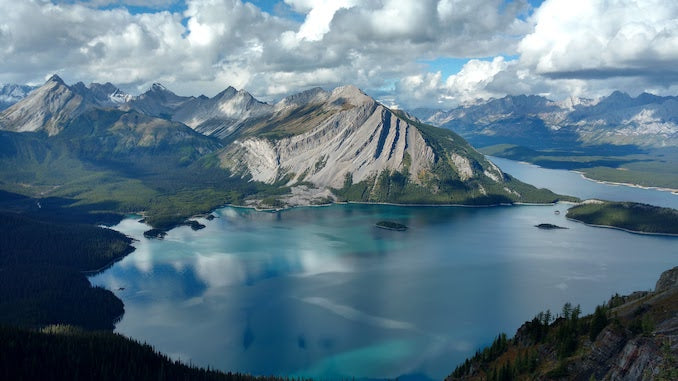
[
  {"x": 573, "y": 184},
  {"x": 322, "y": 292}
]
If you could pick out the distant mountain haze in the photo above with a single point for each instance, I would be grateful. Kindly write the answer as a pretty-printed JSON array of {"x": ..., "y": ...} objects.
[{"x": 536, "y": 122}]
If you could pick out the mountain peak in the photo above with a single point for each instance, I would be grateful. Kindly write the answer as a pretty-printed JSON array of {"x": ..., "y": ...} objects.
[
  {"x": 229, "y": 92},
  {"x": 619, "y": 95},
  {"x": 55, "y": 78},
  {"x": 350, "y": 94},
  {"x": 348, "y": 90},
  {"x": 156, "y": 86}
]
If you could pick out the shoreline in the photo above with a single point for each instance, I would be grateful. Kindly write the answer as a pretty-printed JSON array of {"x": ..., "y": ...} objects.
[
  {"x": 631, "y": 185},
  {"x": 270, "y": 210},
  {"x": 113, "y": 261},
  {"x": 276, "y": 210},
  {"x": 583, "y": 175},
  {"x": 622, "y": 229}
]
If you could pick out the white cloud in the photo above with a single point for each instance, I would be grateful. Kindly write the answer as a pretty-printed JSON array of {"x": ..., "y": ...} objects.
[
  {"x": 319, "y": 16},
  {"x": 582, "y": 48},
  {"x": 586, "y": 48},
  {"x": 598, "y": 38}
]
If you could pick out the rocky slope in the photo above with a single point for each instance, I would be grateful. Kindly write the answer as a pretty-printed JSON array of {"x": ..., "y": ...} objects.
[
  {"x": 538, "y": 123},
  {"x": 50, "y": 107},
  {"x": 47, "y": 108},
  {"x": 338, "y": 139},
  {"x": 632, "y": 337}
]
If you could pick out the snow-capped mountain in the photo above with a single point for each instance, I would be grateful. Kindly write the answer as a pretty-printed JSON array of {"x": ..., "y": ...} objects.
[
  {"x": 11, "y": 94},
  {"x": 534, "y": 121}
]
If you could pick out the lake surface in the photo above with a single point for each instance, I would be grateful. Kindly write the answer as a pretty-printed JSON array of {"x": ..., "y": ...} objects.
[{"x": 322, "y": 292}]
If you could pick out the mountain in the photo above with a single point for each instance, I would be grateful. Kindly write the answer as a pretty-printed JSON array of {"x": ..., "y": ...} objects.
[
  {"x": 175, "y": 156},
  {"x": 157, "y": 101},
  {"x": 51, "y": 106},
  {"x": 46, "y": 108},
  {"x": 106, "y": 95},
  {"x": 536, "y": 122},
  {"x": 346, "y": 141},
  {"x": 222, "y": 115},
  {"x": 11, "y": 94}
]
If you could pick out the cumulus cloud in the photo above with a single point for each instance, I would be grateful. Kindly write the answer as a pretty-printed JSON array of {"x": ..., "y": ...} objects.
[
  {"x": 368, "y": 43},
  {"x": 203, "y": 46},
  {"x": 601, "y": 39},
  {"x": 585, "y": 49}
]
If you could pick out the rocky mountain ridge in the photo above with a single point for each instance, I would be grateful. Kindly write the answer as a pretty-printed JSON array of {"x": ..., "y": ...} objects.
[{"x": 339, "y": 144}]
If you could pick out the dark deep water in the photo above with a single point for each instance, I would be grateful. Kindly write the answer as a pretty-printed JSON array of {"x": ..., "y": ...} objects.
[{"x": 322, "y": 292}]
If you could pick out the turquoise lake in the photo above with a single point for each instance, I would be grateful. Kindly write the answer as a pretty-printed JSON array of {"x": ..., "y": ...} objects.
[{"x": 322, "y": 292}]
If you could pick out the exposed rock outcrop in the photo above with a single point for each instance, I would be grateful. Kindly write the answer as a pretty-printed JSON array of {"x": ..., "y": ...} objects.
[
  {"x": 668, "y": 280},
  {"x": 638, "y": 342},
  {"x": 345, "y": 136}
]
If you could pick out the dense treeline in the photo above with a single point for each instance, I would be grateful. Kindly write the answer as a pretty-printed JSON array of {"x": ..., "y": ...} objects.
[
  {"x": 41, "y": 269},
  {"x": 25, "y": 241},
  {"x": 35, "y": 296},
  {"x": 627, "y": 215},
  {"x": 521, "y": 355},
  {"x": 67, "y": 353},
  {"x": 88, "y": 169}
]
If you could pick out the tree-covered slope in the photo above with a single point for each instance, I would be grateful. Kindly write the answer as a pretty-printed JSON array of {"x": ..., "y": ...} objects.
[
  {"x": 67, "y": 353},
  {"x": 628, "y": 338}
]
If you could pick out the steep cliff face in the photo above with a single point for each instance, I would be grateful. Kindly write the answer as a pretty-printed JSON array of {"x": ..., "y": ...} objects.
[{"x": 352, "y": 134}]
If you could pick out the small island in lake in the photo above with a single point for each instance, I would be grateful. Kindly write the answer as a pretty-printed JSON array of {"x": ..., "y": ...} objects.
[
  {"x": 630, "y": 216},
  {"x": 390, "y": 225},
  {"x": 155, "y": 233},
  {"x": 549, "y": 226},
  {"x": 195, "y": 225}
]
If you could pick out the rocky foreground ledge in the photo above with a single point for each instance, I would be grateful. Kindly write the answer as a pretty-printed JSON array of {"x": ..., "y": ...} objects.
[{"x": 633, "y": 337}]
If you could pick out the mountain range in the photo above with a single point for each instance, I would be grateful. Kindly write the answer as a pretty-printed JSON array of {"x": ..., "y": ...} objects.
[
  {"x": 168, "y": 152},
  {"x": 646, "y": 121}
]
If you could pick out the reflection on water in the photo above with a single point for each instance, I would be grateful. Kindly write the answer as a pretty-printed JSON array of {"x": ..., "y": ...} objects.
[{"x": 323, "y": 292}]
